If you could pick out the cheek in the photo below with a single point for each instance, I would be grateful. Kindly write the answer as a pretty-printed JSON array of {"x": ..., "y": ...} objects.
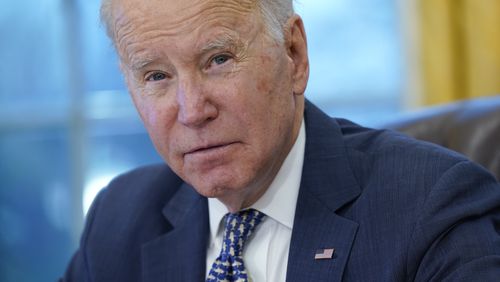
[
  {"x": 146, "y": 102},
  {"x": 158, "y": 118},
  {"x": 147, "y": 112},
  {"x": 263, "y": 86},
  {"x": 151, "y": 117}
]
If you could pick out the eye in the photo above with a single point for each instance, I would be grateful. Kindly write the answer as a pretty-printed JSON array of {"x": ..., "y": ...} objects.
[
  {"x": 156, "y": 76},
  {"x": 221, "y": 59}
]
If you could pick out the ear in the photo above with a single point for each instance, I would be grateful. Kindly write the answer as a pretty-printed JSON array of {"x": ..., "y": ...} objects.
[{"x": 296, "y": 44}]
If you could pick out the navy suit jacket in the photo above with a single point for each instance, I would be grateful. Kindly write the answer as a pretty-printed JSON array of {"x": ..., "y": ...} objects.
[{"x": 393, "y": 208}]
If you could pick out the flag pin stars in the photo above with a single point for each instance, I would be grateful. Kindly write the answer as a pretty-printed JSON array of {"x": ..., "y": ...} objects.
[{"x": 324, "y": 254}]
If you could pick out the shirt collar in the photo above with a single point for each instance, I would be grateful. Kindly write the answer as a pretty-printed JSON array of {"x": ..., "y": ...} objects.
[{"x": 280, "y": 199}]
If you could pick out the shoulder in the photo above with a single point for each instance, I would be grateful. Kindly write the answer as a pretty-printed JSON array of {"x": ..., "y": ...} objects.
[
  {"x": 411, "y": 175},
  {"x": 376, "y": 141},
  {"x": 426, "y": 189},
  {"x": 389, "y": 153},
  {"x": 138, "y": 194},
  {"x": 124, "y": 216},
  {"x": 151, "y": 183},
  {"x": 380, "y": 158},
  {"x": 373, "y": 148}
]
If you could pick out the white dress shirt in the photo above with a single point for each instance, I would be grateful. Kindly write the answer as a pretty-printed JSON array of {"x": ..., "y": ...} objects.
[{"x": 266, "y": 251}]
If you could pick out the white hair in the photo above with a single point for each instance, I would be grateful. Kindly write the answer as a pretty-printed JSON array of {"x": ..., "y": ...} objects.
[{"x": 275, "y": 14}]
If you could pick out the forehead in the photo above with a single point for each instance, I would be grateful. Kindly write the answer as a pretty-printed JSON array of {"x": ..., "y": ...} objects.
[
  {"x": 178, "y": 11},
  {"x": 134, "y": 20}
]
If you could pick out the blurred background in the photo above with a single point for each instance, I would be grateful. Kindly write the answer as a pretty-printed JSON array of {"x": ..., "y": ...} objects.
[{"x": 67, "y": 125}]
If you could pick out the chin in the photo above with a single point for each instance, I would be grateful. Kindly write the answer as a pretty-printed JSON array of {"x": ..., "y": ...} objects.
[
  {"x": 219, "y": 188},
  {"x": 208, "y": 191}
]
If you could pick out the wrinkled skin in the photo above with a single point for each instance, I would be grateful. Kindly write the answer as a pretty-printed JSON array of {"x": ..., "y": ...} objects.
[{"x": 221, "y": 100}]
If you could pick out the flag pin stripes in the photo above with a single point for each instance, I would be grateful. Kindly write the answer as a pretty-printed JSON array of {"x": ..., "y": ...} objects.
[{"x": 324, "y": 254}]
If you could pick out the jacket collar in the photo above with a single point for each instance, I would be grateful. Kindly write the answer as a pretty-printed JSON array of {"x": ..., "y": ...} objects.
[{"x": 327, "y": 185}]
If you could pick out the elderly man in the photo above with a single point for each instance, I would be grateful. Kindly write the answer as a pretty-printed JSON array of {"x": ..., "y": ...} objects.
[{"x": 259, "y": 184}]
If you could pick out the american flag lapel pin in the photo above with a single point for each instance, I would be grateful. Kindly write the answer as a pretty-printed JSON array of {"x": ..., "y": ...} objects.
[{"x": 324, "y": 254}]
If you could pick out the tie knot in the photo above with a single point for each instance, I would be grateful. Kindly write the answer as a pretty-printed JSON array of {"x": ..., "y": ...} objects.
[
  {"x": 238, "y": 228},
  {"x": 229, "y": 265}
]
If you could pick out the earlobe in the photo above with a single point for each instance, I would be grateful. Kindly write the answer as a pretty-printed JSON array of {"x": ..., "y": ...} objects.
[{"x": 296, "y": 43}]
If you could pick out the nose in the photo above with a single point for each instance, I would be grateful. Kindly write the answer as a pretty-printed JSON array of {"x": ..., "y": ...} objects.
[{"x": 195, "y": 105}]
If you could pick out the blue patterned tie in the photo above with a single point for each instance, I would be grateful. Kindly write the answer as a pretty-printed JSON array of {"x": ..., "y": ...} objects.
[{"x": 229, "y": 267}]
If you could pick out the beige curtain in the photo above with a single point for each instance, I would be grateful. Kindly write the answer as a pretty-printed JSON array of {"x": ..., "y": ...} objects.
[{"x": 460, "y": 49}]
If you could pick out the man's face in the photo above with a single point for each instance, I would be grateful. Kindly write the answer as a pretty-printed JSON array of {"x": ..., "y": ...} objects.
[{"x": 219, "y": 98}]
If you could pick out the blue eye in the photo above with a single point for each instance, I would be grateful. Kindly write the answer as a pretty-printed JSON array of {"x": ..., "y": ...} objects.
[
  {"x": 156, "y": 76},
  {"x": 220, "y": 59}
]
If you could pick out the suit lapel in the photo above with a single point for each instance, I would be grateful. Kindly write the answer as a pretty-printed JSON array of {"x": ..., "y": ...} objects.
[
  {"x": 180, "y": 254},
  {"x": 327, "y": 185}
]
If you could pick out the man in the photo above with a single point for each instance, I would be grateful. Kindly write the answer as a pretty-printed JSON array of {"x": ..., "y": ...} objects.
[{"x": 219, "y": 85}]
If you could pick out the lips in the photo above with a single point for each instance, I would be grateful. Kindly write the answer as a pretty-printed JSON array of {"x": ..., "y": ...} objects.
[{"x": 208, "y": 148}]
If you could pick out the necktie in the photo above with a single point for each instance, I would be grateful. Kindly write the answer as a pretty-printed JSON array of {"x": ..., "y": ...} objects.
[{"x": 228, "y": 266}]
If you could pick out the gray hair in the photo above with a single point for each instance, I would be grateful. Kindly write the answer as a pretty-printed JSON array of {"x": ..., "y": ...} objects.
[{"x": 275, "y": 14}]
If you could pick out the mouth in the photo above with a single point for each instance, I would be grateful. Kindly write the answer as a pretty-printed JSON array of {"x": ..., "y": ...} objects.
[{"x": 209, "y": 148}]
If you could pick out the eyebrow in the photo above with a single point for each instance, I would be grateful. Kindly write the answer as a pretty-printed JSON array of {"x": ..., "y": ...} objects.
[
  {"x": 141, "y": 63},
  {"x": 221, "y": 42}
]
